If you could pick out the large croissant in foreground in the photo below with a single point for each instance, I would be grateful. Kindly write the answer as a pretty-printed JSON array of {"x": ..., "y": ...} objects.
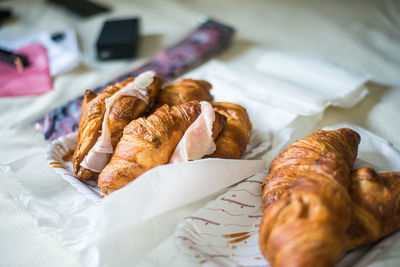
[
  {"x": 315, "y": 208},
  {"x": 149, "y": 142},
  {"x": 125, "y": 107}
]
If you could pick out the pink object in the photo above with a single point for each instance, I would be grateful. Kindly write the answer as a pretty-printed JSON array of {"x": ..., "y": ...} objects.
[
  {"x": 197, "y": 140},
  {"x": 33, "y": 80}
]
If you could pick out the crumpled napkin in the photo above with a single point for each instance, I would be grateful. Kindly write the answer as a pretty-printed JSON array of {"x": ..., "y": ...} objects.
[
  {"x": 310, "y": 83},
  {"x": 123, "y": 227},
  {"x": 294, "y": 83}
]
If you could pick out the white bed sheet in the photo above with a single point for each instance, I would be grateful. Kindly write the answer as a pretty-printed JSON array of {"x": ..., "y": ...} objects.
[{"x": 360, "y": 35}]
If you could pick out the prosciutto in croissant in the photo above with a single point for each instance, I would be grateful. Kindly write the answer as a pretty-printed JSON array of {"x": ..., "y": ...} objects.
[
  {"x": 198, "y": 139},
  {"x": 149, "y": 142},
  {"x": 315, "y": 208},
  {"x": 104, "y": 117},
  {"x": 235, "y": 136},
  {"x": 184, "y": 91}
]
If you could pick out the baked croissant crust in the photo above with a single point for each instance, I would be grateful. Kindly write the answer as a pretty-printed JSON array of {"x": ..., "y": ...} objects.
[
  {"x": 146, "y": 143},
  {"x": 307, "y": 208},
  {"x": 184, "y": 91},
  {"x": 375, "y": 206},
  {"x": 235, "y": 136},
  {"x": 315, "y": 209},
  {"x": 125, "y": 109}
]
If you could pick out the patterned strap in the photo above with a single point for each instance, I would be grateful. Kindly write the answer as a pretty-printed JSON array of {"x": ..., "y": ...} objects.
[{"x": 207, "y": 40}]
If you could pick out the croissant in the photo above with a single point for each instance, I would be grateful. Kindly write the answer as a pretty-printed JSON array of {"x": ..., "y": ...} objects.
[
  {"x": 375, "y": 206},
  {"x": 235, "y": 136},
  {"x": 307, "y": 208},
  {"x": 184, "y": 91},
  {"x": 315, "y": 209},
  {"x": 124, "y": 106},
  {"x": 89, "y": 126},
  {"x": 147, "y": 143}
]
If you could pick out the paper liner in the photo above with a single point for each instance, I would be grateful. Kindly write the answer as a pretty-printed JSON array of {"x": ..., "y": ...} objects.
[
  {"x": 59, "y": 155},
  {"x": 225, "y": 231}
]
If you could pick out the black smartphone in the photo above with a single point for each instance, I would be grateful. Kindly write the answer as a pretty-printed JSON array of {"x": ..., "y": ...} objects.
[
  {"x": 83, "y": 8},
  {"x": 5, "y": 14}
]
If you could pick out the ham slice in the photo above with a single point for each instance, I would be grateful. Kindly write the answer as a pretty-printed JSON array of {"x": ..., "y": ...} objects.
[
  {"x": 197, "y": 140},
  {"x": 100, "y": 154}
]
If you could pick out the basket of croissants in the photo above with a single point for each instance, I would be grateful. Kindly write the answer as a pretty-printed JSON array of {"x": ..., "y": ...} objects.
[{"x": 136, "y": 125}]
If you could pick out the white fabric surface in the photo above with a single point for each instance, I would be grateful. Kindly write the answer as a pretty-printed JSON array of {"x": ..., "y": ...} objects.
[{"x": 361, "y": 35}]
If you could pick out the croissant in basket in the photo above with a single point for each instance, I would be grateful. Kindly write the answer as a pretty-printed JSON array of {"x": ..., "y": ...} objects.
[
  {"x": 104, "y": 117},
  {"x": 149, "y": 142},
  {"x": 316, "y": 208},
  {"x": 235, "y": 136},
  {"x": 184, "y": 91}
]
